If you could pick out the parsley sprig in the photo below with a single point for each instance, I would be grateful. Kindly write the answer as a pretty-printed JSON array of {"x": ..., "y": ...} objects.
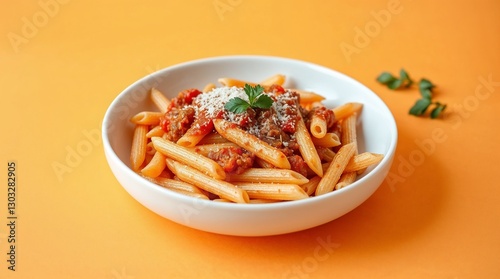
[
  {"x": 393, "y": 82},
  {"x": 425, "y": 87},
  {"x": 256, "y": 99}
]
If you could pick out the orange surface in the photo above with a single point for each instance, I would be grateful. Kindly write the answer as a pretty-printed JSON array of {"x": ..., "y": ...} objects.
[{"x": 63, "y": 62}]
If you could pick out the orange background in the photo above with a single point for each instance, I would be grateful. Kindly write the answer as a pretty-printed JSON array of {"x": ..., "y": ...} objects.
[{"x": 62, "y": 63}]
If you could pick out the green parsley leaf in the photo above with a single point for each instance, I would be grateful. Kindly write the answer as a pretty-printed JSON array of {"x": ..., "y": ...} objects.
[
  {"x": 393, "y": 82},
  {"x": 425, "y": 84},
  {"x": 237, "y": 105},
  {"x": 253, "y": 92},
  {"x": 263, "y": 102},
  {"x": 437, "y": 110},
  {"x": 420, "y": 106},
  {"x": 426, "y": 93},
  {"x": 405, "y": 78},
  {"x": 425, "y": 87},
  {"x": 256, "y": 99},
  {"x": 385, "y": 78}
]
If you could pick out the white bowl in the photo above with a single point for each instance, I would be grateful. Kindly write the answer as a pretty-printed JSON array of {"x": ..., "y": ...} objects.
[{"x": 377, "y": 133}]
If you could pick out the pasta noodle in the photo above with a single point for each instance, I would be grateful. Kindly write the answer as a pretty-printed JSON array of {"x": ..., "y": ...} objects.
[
  {"x": 308, "y": 97},
  {"x": 175, "y": 184},
  {"x": 138, "y": 150},
  {"x": 346, "y": 109},
  {"x": 276, "y": 79},
  {"x": 268, "y": 176},
  {"x": 307, "y": 148},
  {"x": 147, "y": 118},
  {"x": 252, "y": 144},
  {"x": 156, "y": 166},
  {"x": 335, "y": 169},
  {"x": 208, "y": 183},
  {"x": 348, "y": 136},
  {"x": 186, "y": 156},
  {"x": 272, "y": 191},
  {"x": 363, "y": 160},
  {"x": 207, "y": 148},
  {"x": 209, "y": 87},
  {"x": 329, "y": 140},
  {"x": 311, "y": 185},
  {"x": 159, "y": 100}
]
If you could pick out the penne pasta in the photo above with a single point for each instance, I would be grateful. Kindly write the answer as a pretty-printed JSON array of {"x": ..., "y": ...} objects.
[
  {"x": 349, "y": 129},
  {"x": 349, "y": 134},
  {"x": 307, "y": 148},
  {"x": 335, "y": 169},
  {"x": 311, "y": 185},
  {"x": 363, "y": 160},
  {"x": 329, "y": 140},
  {"x": 220, "y": 188},
  {"x": 326, "y": 154},
  {"x": 212, "y": 138},
  {"x": 194, "y": 135},
  {"x": 251, "y": 143},
  {"x": 346, "y": 179},
  {"x": 156, "y": 131},
  {"x": 159, "y": 100},
  {"x": 346, "y": 109},
  {"x": 318, "y": 126},
  {"x": 207, "y": 148},
  {"x": 150, "y": 149},
  {"x": 268, "y": 176},
  {"x": 308, "y": 97},
  {"x": 209, "y": 87},
  {"x": 138, "y": 149},
  {"x": 190, "y": 139},
  {"x": 188, "y": 157},
  {"x": 263, "y": 164},
  {"x": 272, "y": 191},
  {"x": 147, "y": 159},
  {"x": 174, "y": 184},
  {"x": 156, "y": 166},
  {"x": 276, "y": 79},
  {"x": 147, "y": 118},
  {"x": 234, "y": 82}
]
